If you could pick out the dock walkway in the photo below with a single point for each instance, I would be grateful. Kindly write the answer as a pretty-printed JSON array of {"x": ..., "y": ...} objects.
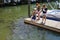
[{"x": 50, "y": 24}]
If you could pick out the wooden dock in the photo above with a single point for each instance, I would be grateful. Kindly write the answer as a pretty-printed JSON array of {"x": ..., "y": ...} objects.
[{"x": 50, "y": 24}]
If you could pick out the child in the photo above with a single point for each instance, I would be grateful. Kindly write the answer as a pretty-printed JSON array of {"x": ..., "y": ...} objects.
[
  {"x": 36, "y": 5},
  {"x": 38, "y": 12},
  {"x": 44, "y": 10},
  {"x": 33, "y": 17}
]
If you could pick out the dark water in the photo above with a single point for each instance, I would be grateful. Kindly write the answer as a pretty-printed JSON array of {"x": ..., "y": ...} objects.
[{"x": 22, "y": 31}]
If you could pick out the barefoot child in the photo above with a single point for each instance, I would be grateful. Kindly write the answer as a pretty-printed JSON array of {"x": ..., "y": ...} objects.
[
  {"x": 44, "y": 10},
  {"x": 38, "y": 11},
  {"x": 33, "y": 17}
]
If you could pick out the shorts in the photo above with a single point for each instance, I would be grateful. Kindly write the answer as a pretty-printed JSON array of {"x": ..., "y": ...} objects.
[
  {"x": 44, "y": 14},
  {"x": 34, "y": 17}
]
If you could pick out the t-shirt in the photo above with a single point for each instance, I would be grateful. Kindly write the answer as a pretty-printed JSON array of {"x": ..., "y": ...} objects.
[{"x": 44, "y": 10}]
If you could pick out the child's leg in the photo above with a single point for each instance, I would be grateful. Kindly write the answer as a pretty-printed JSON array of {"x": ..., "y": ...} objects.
[
  {"x": 31, "y": 18},
  {"x": 45, "y": 19},
  {"x": 38, "y": 16}
]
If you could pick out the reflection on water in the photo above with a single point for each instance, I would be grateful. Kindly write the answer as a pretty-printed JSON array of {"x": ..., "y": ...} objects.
[{"x": 24, "y": 31}]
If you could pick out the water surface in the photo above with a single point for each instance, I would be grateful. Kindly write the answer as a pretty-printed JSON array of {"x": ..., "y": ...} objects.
[
  {"x": 24, "y": 31},
  {"x": 12, "y": 26}
]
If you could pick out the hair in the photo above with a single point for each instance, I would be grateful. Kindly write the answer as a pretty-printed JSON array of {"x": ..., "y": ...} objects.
[
  {"x": 38, "y": 8},
  {"x": 37, "y": 3},
  {"x": 44, "y": 5}
]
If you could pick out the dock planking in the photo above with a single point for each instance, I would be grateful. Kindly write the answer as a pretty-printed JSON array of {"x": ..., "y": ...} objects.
[{"x": 50, "y": 24}]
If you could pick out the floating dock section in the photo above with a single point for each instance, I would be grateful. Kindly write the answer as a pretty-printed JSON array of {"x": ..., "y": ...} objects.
[{"x": 50, "y": 24}]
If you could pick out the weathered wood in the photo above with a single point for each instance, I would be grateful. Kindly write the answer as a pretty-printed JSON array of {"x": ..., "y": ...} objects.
[
  {"x": 29, "y": 8},
  {"x": 50, "y": 24}
]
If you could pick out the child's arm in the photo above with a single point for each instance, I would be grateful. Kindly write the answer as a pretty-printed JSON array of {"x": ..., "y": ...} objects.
[
  {"x": 32, "y": 14},
  {"x": 46, "y": 10}
]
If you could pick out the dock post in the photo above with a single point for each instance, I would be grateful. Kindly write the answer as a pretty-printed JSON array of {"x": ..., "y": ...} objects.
[{"x": 28, "y": 8}]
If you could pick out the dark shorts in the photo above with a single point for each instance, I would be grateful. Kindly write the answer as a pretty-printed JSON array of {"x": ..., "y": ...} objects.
[{"x": 34, "y": 17}]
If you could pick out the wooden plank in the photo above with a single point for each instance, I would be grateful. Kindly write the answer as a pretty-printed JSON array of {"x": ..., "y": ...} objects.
[{"x": 50, "y": 24}]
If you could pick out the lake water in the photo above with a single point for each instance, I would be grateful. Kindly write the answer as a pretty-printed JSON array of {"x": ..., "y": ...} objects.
[
  {"x": 12, "y": 26},
  {"x": 24, "y": 31}
]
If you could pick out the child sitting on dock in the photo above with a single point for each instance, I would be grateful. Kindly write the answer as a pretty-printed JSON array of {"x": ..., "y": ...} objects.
[
  {"x": 33, "y": 17},
  {"x": 38, "y": 11},
  {"x": 44, "y": 10}
]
